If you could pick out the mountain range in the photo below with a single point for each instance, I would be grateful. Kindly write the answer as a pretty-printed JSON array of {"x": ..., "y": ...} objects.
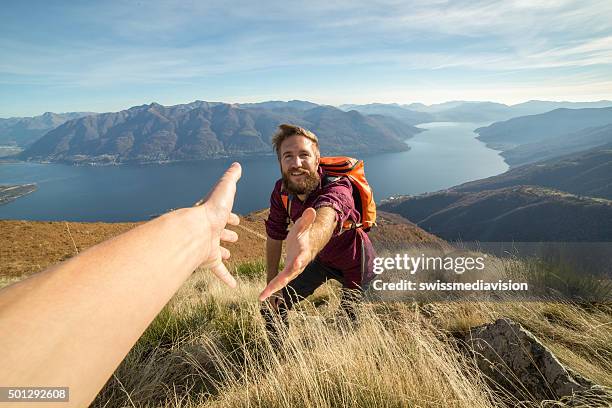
[
  {"x": 165, "y": 135},
  {"x": 467, "y": 111},
  {"x": 542, "y": 127},
  {"x": 201, "y": 130}
]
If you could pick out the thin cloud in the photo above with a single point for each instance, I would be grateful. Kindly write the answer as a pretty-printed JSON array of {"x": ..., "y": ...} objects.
[{"x": 126, "y": 44}]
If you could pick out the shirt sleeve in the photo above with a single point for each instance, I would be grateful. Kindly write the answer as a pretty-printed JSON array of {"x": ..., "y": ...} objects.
[
  {"x": 276, "y": 224},
  {"x": 339, "y": 196}
]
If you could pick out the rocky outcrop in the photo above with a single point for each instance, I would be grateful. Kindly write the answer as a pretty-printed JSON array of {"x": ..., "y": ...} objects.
[{"x": 516, "y": 363}]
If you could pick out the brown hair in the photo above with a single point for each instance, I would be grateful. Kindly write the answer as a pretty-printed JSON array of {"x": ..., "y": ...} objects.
[{"x": 285, "y": 131}]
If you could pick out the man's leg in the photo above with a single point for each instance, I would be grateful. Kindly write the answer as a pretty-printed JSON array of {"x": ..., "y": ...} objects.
[
  {"x": 351, "y": 292},
  {"x": 299, "y": 289}
]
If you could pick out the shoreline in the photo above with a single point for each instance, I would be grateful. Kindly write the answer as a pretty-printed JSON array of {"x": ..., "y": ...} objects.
[{"x": 12, "y": 192}]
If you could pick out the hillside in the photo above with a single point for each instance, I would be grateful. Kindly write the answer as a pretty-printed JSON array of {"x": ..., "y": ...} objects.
[
  {"x": 202, "y": 130},
  {"x": 562, "y": 145},
  {"x": 198, "y": 349},
  {"x": 517, "y": 213},
  {"x": 584, "y": 173},
  {"x": 543, "y": 127},
  {"x": 30, "y": 246}
]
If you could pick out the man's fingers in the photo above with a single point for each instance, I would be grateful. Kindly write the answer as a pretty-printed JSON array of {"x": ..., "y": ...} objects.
[
  {"x": 281, "y": 280},
  {"x": 233, "y": 219},
  {"x": 225, "y": 253},
  {"x": 275, "y": 285},
  {"x": 220, "y": 270},
  {"x": 229, "y": 236}
]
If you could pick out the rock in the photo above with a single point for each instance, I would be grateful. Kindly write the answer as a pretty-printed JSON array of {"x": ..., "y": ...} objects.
[{"x": 518, "y": 364}]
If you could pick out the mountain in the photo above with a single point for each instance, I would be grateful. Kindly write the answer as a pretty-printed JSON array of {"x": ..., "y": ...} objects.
[
  {"x": 202, "y": 130},
  {"x": 543, "y": 127},
  {"x": 24, "y": 131},
  {"x": 407, "y": 116},
  {"x": 562, "y": 199},
  {"x": 517, "y": 213},
  {"x": 436, "y": 107},
  {"x": 534, "y": 107},
  {"x": 471, "y": 111},
  {"x": 559, "y": 146},
  {"x": 474, "y": 112},
  {"x": 294, "y": 104}
]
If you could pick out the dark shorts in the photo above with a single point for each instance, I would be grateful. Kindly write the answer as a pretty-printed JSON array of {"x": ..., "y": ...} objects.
[{"x": 315, "y": 274}]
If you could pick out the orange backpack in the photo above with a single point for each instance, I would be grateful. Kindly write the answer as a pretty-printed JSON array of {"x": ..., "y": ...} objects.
[{"x": 342, "y": 166}]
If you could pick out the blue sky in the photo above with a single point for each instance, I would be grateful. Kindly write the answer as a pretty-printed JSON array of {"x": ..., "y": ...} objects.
[{"x": 107, "y": 56}]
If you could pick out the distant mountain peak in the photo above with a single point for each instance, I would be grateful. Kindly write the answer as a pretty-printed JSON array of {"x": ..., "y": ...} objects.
[{"x": 202, "y": 130}]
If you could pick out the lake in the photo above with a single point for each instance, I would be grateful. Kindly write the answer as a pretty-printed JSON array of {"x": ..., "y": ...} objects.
[{"x": 443, "y": 156}]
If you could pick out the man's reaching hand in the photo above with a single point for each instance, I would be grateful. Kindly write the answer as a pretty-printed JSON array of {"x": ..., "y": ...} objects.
[{"x": 299, "y": 253}]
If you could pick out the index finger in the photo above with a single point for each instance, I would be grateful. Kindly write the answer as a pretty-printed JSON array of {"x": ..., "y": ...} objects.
[{"x": 276, "y": 284}]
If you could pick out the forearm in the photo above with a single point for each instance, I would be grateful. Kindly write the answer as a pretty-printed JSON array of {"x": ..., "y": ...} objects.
[
  {"x": 322, "y": 230},
  {"x": 88, "y": 311},
  {"x": 274, "y": 249},
  {"x": 310, "y": 233}
]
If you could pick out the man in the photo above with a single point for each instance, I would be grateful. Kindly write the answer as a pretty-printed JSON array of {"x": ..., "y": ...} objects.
[{"x": 318, "y": 248}]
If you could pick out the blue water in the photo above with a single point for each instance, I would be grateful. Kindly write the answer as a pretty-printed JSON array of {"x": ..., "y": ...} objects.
[{"x": 445, "y": 155}]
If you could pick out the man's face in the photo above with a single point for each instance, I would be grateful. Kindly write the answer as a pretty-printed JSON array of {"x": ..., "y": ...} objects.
[{"x": 299, "y": 160}]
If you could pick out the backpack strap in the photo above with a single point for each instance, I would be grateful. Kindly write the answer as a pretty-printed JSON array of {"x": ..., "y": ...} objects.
[{"x": 287, "y": 198}]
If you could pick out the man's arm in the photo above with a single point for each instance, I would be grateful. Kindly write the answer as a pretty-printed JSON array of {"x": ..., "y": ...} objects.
[
  {"x": 310, "y": 233},
  {"x": 72, "y": 324},
  {"x": 274, "y": 249}
]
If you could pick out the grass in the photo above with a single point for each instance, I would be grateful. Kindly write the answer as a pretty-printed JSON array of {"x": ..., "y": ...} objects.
[{"x": 208, "y": 349}]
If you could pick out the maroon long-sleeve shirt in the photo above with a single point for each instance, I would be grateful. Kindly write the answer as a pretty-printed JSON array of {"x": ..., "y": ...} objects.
[{"x": 351, "y": 251}]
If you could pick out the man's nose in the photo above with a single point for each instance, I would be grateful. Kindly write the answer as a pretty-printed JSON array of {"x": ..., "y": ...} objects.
[{"x": 296, "y": 162}]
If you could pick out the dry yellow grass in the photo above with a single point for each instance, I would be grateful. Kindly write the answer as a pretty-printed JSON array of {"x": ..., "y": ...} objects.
[{"x": 208, "y": 348}]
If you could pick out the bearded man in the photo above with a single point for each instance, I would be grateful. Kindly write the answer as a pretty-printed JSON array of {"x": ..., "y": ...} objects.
[{"x": 318, "y": 248}]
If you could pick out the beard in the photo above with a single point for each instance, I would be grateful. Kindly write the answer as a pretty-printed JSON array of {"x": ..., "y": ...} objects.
[{"x": 306, "y": 186}]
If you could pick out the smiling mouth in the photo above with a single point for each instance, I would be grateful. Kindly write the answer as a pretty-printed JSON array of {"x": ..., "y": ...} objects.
[{"x": 298, "y": 173}]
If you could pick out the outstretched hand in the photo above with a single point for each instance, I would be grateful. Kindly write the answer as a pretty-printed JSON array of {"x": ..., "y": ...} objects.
[
  {"x": 299, "y": 254},
  {"x": 216, "y": 208}
]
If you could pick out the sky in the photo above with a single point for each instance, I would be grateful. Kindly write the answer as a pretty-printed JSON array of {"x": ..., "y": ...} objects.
[{"x": 107, "y": 56}]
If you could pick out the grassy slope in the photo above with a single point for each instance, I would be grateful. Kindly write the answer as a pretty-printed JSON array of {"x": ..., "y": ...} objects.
[{"x": 207, "y": 347}]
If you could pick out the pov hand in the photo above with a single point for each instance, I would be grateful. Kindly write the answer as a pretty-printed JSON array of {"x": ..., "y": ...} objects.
[
  {"x": 299, "y": 253},
  {"x": 216, "y": 209}
]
